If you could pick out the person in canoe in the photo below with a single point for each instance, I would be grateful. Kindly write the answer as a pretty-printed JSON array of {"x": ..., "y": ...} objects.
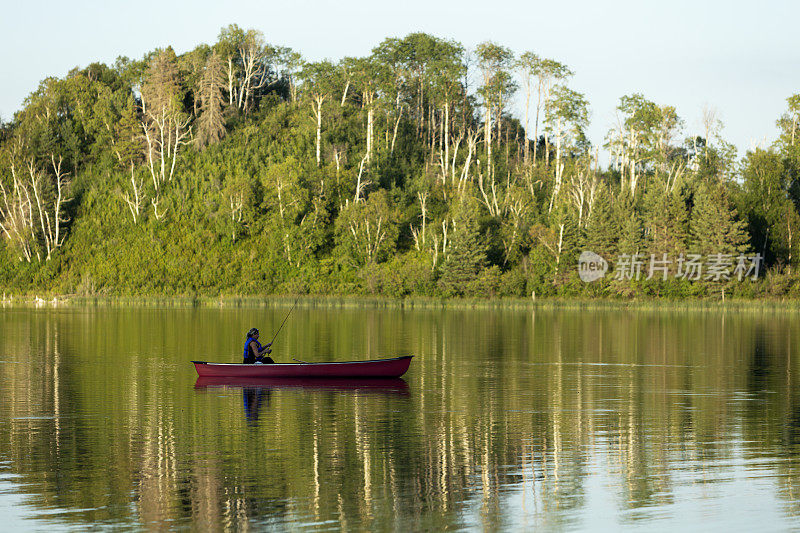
[{"x": 254, "y": 352}]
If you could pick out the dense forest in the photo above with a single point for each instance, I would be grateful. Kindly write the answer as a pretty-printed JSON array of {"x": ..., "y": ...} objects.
[{"x": 239, "y": 168}]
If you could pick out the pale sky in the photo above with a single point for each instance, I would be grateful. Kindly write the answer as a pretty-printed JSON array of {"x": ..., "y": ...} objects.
[{"x": 739, "y": 57}]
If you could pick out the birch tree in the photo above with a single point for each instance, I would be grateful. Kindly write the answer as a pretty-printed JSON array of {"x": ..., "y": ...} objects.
[
  {"x": 227, "y": 47},
  {"x": 246, "y": 58},
  {"x": 633, "y": 141},
  {"x": 547, "y": 73},
  {"x": 366, "y": 76},
  {"x": 135, "y": 198},
  {"x": 394, "y": 87},
  {"x": 32, "y": 208},
  {"x": 494, "y": 62},
  {"x": 788, "y": 124},
  {"x": 165, "y": 125},
  {"x": 317, "y": 85},
  {"x": 527, "y": 64},
  {"x": 667, "y": 127},
  {"x": 288, "y": 64},
  {"x": 254, "y": 70},
  {"x": 345, "y": 71},
  {"x": 287, "y": 201},
  {"x": 415, "y": 52},
  {"x": 367, "y": 231},
  {"x": 567, "y": 117},
  {"x": 448, "y": 69}
]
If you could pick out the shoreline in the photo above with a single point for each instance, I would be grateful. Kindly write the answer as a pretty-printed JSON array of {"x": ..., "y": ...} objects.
[{"x": 376, "y": 302}]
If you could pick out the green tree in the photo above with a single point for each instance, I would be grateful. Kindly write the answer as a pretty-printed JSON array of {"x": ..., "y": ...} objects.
[
  {"x": 495, "y": 62},
  {"x": 714, "y": 224},
  {"x": 192, "y": 67},
  {"x": 367, "y": 73},
  {"x": 547, "y": 73},
  {"x": 448, "y": 69},
  {"x": 567, "y": 118},
  {"x": 367, "y": 230},
  {"x": 765, "y": 199},
  {"x": 117, "y": 128},
  {"x": 287, "y": 201},
  {"x": 165, "y": 125},
  {"x": 527, "y": 64},
  {"x": 465, "y": 258},
  {"x": 666, "y": 221},
  {"x": 643, "y": 139},
  {"x": 631, "y": 238},
  {"x": 317, "y": 85},
  {"x": 788, "y": 124},
  {"x": 602, "y": 229}
]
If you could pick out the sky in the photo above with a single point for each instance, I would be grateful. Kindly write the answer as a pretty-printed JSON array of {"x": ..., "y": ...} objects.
[{"x": 740, "y": 58}]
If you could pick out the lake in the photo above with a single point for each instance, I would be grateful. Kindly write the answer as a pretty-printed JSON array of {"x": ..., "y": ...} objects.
[{"x": 507, "y": 420}]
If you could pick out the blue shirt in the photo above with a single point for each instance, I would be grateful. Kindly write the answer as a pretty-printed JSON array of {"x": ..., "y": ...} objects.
[{"x": 247, "y": 348}]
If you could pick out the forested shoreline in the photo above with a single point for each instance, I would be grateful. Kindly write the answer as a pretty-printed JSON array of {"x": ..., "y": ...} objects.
[{"x": 239, "y": 168}]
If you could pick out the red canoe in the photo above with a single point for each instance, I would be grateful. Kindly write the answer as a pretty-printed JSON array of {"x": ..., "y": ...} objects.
[{"x": 379, "y": 368}]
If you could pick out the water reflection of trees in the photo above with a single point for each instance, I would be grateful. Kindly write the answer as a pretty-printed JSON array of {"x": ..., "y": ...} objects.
[{"x": 507, "y": 416}]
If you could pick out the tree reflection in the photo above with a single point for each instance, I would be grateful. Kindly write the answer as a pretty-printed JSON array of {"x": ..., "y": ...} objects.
[{"x": 503, "y": 421}]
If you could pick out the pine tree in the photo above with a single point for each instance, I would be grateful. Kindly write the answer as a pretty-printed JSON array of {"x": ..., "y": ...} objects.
[
  {"x": 466, "y": 257},
  {"x": 715, "y": 228},
  {"x": 666, "y": 222},
  {"x": 631, "y": 239},
  {"x": 602, "y": 230},
  {"x": 631, "y": 230},
  {"x": 211, "y": 124}
]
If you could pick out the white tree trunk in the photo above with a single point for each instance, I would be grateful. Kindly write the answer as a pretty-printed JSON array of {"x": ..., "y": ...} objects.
[
  {"x": 316, "y": 106},
  {"x": 488, "y": 139},
  {"x": 446, "y": 136},
  {"x": 370, "y": 125},
  {"x": 396, "y": 125},
  {"x": 230, "y": 81}
]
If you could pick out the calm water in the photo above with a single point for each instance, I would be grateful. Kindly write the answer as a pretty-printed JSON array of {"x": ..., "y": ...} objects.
[{"x": 507, "y": 420}]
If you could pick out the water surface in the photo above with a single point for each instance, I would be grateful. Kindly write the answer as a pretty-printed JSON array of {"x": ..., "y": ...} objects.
[{"x": 507, "y": 420}]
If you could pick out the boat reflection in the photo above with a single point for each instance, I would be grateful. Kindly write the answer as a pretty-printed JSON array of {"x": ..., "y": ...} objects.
[
  {"x": 253, "y": 398},
  {"x": 379, "y": 386},
  {"x": 256, "y": 392}
]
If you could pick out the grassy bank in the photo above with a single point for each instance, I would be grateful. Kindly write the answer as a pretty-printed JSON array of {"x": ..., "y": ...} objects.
[{"x": 644, "y": 304}]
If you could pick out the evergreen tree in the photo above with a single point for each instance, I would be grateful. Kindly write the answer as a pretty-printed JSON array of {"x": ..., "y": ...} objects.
[
  {"x": 560, "y": 238},
  {"x": 666, "y": 222},
  {"x": 211, "y": 124},
  {"x": 765, "y": 199},
  {"x": 466, "y": 257},
  {"x": 715, "y": 228},
  {"x": 631, "y": 240},
  {"x": 602, "y": 229},
  {"x": 631, "y": 236}
]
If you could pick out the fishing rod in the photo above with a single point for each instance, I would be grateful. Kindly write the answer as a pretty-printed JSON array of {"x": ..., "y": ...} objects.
[{"x": 284, "y": 320}]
